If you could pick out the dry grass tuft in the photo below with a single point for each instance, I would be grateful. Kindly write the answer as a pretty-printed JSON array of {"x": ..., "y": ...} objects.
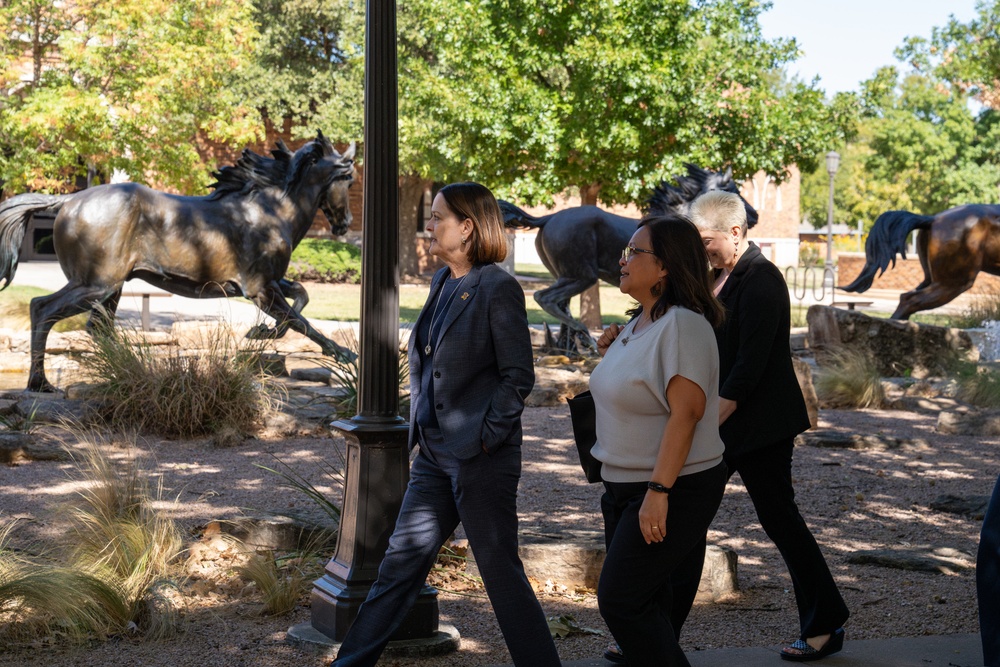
[
  {"x": 142, "y": 388},
  {"x": 849, "y": 379}
]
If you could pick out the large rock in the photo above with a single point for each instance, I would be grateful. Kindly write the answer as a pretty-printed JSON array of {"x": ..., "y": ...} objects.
[
  {"x": 554, "y": 385},
  {"x": 969, "y": 422},
  {"x": 803, "y": 373},
  {"x": 897, "y": 347},
  {"x": 574, "y": 558}
]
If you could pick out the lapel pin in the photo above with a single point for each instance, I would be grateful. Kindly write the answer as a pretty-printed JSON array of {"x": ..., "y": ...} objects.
[{"x": 465, "y": 295}]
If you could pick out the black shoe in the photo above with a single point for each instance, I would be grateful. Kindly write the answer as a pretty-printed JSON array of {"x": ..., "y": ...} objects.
[
  {"x": 806, "y": 653},
  {"x": 614, "y": 654}
]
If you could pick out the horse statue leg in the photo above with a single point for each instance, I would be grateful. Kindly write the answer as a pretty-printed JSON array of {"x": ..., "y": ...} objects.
[
  {"x": 103, "y": 315},
  {"x": 554, "y": 300},
  {"x": 289, "y": 290},
  {"x": 45, "y": 312},
  {"x": 271, "y": 300},
  {"x": 935, "y": 295}
]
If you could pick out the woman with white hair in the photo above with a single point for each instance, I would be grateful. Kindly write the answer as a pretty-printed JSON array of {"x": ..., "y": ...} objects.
[{"x": 761, "y": 410}]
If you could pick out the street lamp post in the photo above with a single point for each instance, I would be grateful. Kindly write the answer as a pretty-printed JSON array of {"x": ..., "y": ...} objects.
[
  {"x": 832, "y": 162},
  {"x": 377, "y": 456}
]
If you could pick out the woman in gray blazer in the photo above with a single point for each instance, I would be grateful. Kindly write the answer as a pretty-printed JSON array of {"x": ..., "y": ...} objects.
[{"x": 470, "y": 370}]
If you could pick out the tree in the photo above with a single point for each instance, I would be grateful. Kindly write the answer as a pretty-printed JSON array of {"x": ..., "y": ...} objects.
[
  {"x": 131, "y": 86},
  {"x": 615, "y": 95}
]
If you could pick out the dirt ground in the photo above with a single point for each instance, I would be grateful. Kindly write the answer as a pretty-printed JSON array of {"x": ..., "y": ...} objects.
[{"x": 852, "y": 499}]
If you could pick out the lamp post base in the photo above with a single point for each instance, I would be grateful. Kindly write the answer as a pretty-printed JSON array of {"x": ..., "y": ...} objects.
[{"x": 445, "y": 640}]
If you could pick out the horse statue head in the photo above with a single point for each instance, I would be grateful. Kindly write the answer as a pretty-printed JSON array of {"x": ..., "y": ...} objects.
[
  {"x": 318, "y": 162},
  {"x": 678, "y": 198},
  {"x": 316, "y": 170}
]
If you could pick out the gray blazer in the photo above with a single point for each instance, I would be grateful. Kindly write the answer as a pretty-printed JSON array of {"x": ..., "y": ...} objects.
[{"x": 482, "y": 367}]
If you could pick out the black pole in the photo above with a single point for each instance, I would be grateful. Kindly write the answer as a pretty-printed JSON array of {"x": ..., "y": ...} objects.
[{"x": 377, "y": 457}]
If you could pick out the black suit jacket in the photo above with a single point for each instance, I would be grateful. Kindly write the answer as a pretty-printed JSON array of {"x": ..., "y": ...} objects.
[
  {"x": 482, "y": 365},
  {"x": 755, "y": 358}
]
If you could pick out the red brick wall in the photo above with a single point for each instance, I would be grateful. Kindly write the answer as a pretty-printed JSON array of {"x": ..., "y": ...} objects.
[
  {"x": 906, "y": 275},
  {"x": 777, "y": 205}
]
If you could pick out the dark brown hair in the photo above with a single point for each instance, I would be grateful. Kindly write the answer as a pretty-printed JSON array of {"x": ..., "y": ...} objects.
[
  {"x": 678, "y": 245},
  {"x": 488, "y": 242}
]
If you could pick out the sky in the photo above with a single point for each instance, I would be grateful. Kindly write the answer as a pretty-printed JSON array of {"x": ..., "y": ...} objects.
[{"x": 845, "y": 41}]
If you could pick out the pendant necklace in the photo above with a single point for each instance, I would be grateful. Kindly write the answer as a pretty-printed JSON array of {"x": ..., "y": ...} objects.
[
  {"x": 625, "y": 339},
  {"x": 430, "y": 330}
]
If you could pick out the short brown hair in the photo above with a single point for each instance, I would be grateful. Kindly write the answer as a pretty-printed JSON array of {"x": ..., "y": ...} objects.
[{"x": 488, "y": 242}]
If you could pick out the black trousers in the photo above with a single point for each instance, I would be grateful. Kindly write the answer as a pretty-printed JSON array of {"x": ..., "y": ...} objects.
[
  {"x": 634, "y": 593},
  {"x": 481, "y": 492},
  {"x": 988, "y": 581},
  {"x": 767, "y": 476}
]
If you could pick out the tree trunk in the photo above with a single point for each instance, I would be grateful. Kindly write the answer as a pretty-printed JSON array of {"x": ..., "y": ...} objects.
[
  {"x": 411, "y": 192},
  {"x": 590, "y": 300}
]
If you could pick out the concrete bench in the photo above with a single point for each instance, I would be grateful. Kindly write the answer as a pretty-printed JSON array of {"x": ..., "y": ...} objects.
[
  {"x": 851, "y": 305},
  {"x": 145, "y": 304}
]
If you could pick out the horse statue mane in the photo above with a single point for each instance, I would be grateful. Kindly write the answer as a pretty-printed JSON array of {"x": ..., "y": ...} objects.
[
  {"x": 667, "y": 197},
  {"x": 254, "y": 172}
]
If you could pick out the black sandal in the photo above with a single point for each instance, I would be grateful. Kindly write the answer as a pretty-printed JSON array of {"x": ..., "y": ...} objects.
[
  {"x": 614, "y": 654},
  {"x": 806, "y": 653}
]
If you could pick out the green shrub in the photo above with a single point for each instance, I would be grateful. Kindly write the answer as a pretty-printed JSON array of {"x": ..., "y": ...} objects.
[
  {"x": 165, "y": 392},
  {"x": 849, "y": 379},
  {"x": 325, "y": 261}
]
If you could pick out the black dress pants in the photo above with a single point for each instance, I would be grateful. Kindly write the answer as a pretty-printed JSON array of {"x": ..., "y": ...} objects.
[
  {"x": 634, "y": 593},
  {"x": 767, "y": 476}
]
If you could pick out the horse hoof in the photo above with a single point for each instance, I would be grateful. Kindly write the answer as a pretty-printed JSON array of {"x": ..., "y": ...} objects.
[
  {"x": 41, "y": 387},
  {"x": 261, "y": 332}
]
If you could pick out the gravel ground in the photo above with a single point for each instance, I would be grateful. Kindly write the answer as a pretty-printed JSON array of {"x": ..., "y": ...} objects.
[{"x": 852, "y": 499}]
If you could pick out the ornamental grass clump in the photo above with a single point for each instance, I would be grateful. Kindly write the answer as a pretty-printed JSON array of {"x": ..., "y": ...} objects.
[
  {"x": 347, "y": 376},
  {"x": 143, "y": 388},
  {"x": 849, "y": 379},
  {"x": 977, "y": 385},
  {"x": 40, "y": 597},
  {"x": 117, "y": 534}
]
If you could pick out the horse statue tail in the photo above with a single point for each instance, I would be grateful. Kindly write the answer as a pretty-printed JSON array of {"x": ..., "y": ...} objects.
[
  {"x": 886, "y": 238},
  {"x": 14, "y": 216},
  {"x": 516, "y": 218}
]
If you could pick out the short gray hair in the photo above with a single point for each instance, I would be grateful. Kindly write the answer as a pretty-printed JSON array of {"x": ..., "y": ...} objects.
[{"x": 719, "y": 211}]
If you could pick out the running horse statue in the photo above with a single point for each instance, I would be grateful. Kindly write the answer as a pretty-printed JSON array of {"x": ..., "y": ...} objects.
[
  {"x": 953, "y": 247},
  {"x": 236, "y": 241},
  {"x": 583, "y": 244}
]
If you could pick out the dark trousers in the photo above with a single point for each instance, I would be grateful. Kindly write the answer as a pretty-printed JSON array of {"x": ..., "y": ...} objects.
[
  {"x": 988, "y": 581},
  {"x": 767, "y": 476},
  {"x": 481, "y": 492},
  {"x": 634, "y": 593}
]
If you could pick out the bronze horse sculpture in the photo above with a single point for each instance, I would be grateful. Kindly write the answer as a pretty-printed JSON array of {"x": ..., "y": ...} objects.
[
  {"x": 583, "y": 244},
  {"x": 953, "y": 247},
  {"x": 236, "y": 241}
]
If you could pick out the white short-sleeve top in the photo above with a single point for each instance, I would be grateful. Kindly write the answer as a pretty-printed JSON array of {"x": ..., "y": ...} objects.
[{"x": 629, "y": 388}]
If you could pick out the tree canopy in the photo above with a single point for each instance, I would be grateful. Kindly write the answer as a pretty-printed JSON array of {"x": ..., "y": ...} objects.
[{"x": 132, "y": 86}]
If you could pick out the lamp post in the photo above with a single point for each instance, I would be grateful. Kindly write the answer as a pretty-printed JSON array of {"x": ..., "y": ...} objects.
[
  {"x": 377, "y": 456},
  {"x": 832, "y": 162}
]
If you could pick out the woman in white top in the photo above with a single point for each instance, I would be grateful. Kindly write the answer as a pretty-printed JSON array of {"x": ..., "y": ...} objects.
[{"x": 656, "y": 394}]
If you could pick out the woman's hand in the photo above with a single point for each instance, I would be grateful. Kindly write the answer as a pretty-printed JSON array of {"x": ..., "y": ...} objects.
[
  {"x": 608, "y": 337},
  {"x": 653, "y": 516}
]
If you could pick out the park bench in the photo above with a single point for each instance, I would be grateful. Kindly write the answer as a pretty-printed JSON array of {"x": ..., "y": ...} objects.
[{"x": 145, "y": 304}]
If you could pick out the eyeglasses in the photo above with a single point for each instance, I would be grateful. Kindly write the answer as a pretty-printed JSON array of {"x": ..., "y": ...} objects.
[{"x": 629, "y": 251}]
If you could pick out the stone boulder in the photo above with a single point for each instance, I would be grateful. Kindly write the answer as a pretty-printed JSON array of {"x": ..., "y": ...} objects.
[
  {"x": 554, "y": 385},
  {"x": 803, "y": 373},
  {"x": 969, "y": 422},
  {"x": 897, "y": 347}
]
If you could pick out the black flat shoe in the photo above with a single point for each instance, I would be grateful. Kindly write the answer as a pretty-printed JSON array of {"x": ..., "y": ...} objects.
[
  {"x": 803, "y": 652},
  {"x": 614, "y": 654}
]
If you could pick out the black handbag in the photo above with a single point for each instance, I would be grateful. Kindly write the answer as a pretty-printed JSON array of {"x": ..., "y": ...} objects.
[{"x": 582, "y": 414}]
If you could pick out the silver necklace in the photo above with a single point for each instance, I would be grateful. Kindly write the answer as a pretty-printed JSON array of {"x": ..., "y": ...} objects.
[
  {"x": 625, "y": 339},
  {"x": 434, "y": 314}
]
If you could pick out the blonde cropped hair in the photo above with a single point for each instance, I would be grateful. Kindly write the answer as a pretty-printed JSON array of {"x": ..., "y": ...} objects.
[
  {"x": 487, "y": 243},
  {"x": 719, "y": 211}
]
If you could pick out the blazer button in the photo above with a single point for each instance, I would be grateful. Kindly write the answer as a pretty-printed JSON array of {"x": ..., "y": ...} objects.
[
  {"x": 439, "y": 406},
  {"x": 437, "y": 374}
]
